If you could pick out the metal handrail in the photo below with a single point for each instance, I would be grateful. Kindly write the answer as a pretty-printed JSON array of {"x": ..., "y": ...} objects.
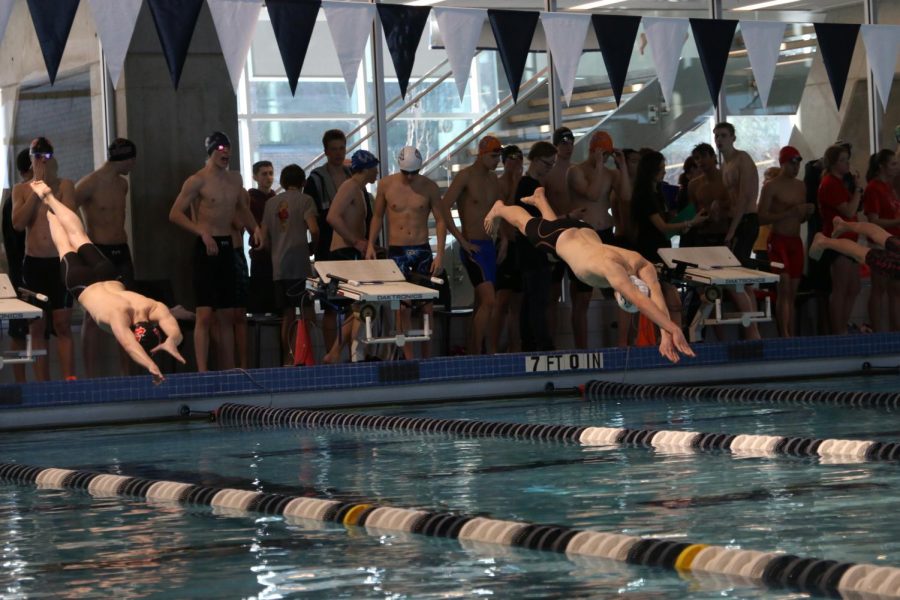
[
  {"x": 405, "y": 106},
  {"x": 479, "y": 126}
]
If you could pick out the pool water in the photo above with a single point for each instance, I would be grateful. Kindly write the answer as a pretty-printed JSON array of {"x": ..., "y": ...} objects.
[{"x": 65, "y": 543}]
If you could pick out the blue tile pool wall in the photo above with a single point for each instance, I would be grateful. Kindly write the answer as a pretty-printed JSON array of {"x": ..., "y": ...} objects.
[{"x": 446, "y": 369}]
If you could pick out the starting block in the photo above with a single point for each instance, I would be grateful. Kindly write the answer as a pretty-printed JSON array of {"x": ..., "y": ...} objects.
[
  {"x": 714, "y": 268},
  {"x": 13, "y": 308},
  {"x": 366, "y": 283}
]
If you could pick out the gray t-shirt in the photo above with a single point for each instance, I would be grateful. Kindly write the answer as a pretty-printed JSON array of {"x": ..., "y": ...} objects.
[{"x": 285, "y": 221}]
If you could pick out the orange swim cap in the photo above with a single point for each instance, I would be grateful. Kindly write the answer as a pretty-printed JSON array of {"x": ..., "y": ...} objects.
[
  {"x": 489, "y": 144},
  {"x": 601, "y": 140}
]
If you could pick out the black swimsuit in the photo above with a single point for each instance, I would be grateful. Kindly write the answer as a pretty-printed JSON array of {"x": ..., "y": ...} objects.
[
  {"x": 544, "y": 234},
  {"x": 86, "y": 267}
]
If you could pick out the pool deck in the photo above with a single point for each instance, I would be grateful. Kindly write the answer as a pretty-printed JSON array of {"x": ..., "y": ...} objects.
[{"x": 460, "y": 378}]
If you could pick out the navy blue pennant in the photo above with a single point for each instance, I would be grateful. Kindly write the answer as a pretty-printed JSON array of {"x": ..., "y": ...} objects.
[
  {"x": 175, "y": 21},
  {"x": 616, "y": 35},
  {"x": 293, "y": 22},
  {"x": 836, "y": 43},
  {"x": 52, "y": 22},
  {"x": 713, "y": 38},
  {"x": 513, "y": 30},
  {"x": 403, "y": 26}
]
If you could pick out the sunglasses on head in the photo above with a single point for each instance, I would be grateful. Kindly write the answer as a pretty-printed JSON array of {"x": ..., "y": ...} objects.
[
  {"x": 222, "y": 147},
  {"x": 44, "y": 155}
]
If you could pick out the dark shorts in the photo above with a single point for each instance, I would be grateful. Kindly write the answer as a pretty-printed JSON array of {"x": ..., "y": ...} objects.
[
  {"x": 214, "y": 276},
  {"x": 242, "y": 278},
  {"x": 543, "y": 234},
  {"x": 289, "y": 293},
  {"x": 508, "y": 275},
  {"x": 345, "y": 254},
  {"x": 887, "y": 261},
  {"x": 41, "y": 275},
  {"x": 482, "y": 265},
  {"x": 412, "y": 259},
  {"x": 120, "y": 256},
  {"x": 85, "y": 268},
  {"x": 745, "y": 237}
]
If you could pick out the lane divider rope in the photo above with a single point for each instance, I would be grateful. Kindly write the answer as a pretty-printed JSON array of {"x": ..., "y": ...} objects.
[
  {"x": 743, "y": 444},
  {"x": 810, "y": 575},
  {"x": 603, "y": 390}
]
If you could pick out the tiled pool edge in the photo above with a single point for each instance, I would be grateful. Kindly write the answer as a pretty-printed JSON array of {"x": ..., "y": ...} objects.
[{"x": 187, "y": 386}]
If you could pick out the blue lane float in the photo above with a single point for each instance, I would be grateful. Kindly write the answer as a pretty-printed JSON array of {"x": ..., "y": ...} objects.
[
  {"x": 770, "y": 569},
  {"x": 604, "y": 390},
  {"x": 740, "y": 444}
]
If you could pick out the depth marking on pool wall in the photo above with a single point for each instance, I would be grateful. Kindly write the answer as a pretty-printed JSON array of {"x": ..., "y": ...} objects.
[
  {"x": 771, "y": 569},
  {"x": 564, "y": 361}
]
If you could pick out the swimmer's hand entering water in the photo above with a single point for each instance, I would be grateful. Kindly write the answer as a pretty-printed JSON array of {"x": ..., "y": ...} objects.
[{"x": 670, "y": 344}]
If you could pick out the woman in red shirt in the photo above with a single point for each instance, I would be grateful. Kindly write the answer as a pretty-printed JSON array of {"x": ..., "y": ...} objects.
[
  {"x": 836, "y": 200},
  {"x": 882, "y": 207}
]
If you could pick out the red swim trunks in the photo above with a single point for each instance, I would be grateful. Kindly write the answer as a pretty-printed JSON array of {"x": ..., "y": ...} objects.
[{"x": 788, "y": 250}]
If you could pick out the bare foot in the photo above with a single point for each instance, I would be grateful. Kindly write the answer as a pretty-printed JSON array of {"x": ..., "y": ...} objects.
[
  {"x": 817, "y": 248},
  {"x": 840, "y": 226},
  {"x": 331, "y": 358},
  {"x": 492, "y": 219},
  {"x": 533, "y": 200}
]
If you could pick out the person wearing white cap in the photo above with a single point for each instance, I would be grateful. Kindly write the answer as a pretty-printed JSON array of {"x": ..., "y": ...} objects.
[{"x": 407, "y": 198}]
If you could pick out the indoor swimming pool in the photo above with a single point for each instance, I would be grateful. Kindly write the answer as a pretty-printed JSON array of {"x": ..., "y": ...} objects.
[{"x": 68, "y": 543}]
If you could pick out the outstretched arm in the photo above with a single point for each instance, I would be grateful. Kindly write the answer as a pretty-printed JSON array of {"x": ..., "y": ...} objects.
[
  {"x": 169, "y": 324},
  {"x": 121, "y": 329}
]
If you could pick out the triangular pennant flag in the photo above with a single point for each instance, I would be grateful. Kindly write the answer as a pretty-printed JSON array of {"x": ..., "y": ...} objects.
[
  {"x": 235, "y": 22},
  {"x": 6, "y": 7},
  {"x": 615, "y": 36},
  {"x": 763, "y": 42},
  {"x": 52, "y": 22},
  {"x": 460, "y": 29},
  {"x": 882, "y": 43},
  {"x": 350, "y": 24},
  {"x": 403, "y": 26},
  {"x": 713, "y": 38},
  {"x": 175, "y": 21},
  {"x": 513, "y": 30},
  {"x": 115, "y": 20},
  {"x": 666, "y": 38},
  {"x": 293, "y": 22},
  {"x": 565, "y": 39},
  {"x": 836, "y": 43}
]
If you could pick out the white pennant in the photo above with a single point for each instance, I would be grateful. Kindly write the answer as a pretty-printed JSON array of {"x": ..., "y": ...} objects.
[
  {"x": 882, "y": 43},
  {"x": 565, "y": 39},
  {"x": 115, "y": 20},
  {"x": 763, "y": 41},
  {"x": 235, "y": 22},
  {"x": 666, "y": 38},
  {"x": 460, "y": 29},
  {"x": 350, "y": 24}
]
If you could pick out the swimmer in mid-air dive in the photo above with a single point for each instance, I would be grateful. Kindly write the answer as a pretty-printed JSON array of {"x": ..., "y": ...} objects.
[
  {"x": 595, "y": 263},
  {"x": 883, "y": 258},
  {"x": 141, "y": 326}
]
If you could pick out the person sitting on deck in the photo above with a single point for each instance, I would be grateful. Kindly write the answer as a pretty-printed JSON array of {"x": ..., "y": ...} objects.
[
  {"x": 595, "y": 263},
  {"x": 133, "y": 319},
  {"x": 883, "y": 259}
]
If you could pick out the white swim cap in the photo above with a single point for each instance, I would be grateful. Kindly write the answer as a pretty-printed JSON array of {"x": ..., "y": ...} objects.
[
  {"x": 410, "y": 159},
  {"x": 624, "y": 303}
]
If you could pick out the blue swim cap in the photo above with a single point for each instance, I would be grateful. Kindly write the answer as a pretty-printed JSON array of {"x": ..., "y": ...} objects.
[{"x": 362, "y": 160}]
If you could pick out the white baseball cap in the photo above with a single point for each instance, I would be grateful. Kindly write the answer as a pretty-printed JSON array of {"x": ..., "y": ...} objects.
[{"x": 410, "y": 159}]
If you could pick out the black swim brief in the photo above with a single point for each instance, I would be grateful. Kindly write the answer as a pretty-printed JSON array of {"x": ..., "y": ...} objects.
[
  {"x": 85, "y": 268},
  {"x": 120, "y": 256},
  {"x": 215, "y": 280},
  {"x": 41, "y": 275},
  {"x": 544, "y": 234}
]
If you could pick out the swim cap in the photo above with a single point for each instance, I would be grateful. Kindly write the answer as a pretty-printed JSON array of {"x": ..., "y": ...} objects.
[
  {"x": 789, "y": 154},
  {"x": 362, "y": 160},
  {"x": 563, "y": 135},
  {"x": 121, "y": 149},
  {"x": 40, "y": 145},
  {"x": 511, "y": 151},
  {"x": 626, "y": 305},
  {"x": 148, "y": 335},
  {"x": 601, "y": 141},
  {"x": 215, "y": 141},
  {"x": 489, "y": 144},
  {"x": 410, "y": 159}
]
